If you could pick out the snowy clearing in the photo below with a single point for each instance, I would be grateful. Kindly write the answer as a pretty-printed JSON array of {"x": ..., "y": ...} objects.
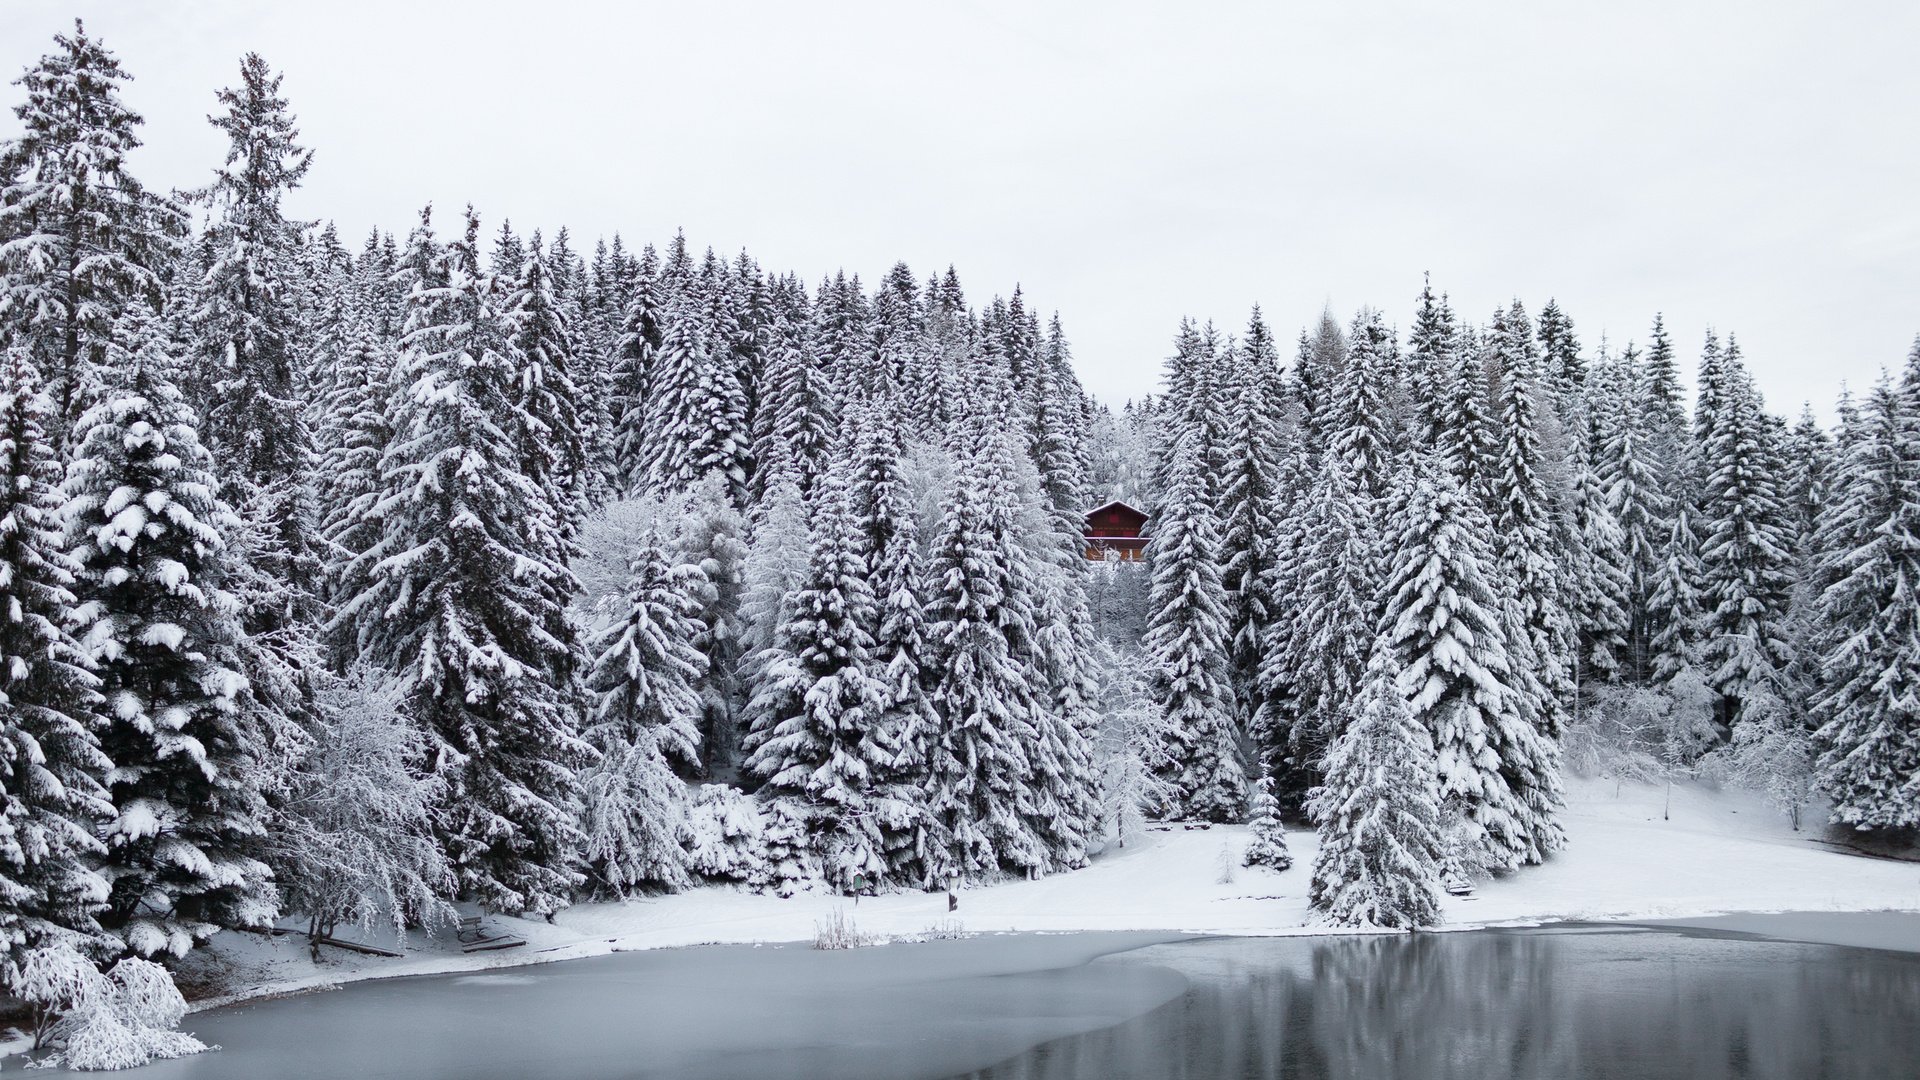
[{"x": 1721, "y": 852}]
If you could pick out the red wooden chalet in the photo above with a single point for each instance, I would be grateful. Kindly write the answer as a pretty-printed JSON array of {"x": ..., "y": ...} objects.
[{"x": 1113, "y": 532}]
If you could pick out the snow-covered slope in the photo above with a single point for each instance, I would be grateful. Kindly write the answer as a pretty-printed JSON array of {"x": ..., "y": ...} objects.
[{"x": 1717, "y": 852}]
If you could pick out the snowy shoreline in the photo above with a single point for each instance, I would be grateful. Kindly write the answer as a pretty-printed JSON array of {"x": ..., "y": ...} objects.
[{"x": 1718, "y": 853}]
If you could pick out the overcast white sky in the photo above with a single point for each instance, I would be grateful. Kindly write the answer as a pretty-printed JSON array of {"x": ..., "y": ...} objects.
[{"x": 1751, "y": 166}]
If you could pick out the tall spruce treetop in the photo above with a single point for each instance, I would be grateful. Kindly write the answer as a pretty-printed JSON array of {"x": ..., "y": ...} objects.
[
  {"x": 1745, "y": 549},
  {"x": 147, "y": 527},
  {"x": 1363, "y": 421},
  {"x": 247, "y": 319},
  {"x": 469, "y": 589},
  {"x": 52, "y": 797},
  {"x": 1524, "y": 518},
  {"x": 1250, "y": 498},
  {"x": 80, "y": 238}
]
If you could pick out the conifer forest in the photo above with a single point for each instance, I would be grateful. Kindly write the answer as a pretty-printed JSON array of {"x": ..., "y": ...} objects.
[{"x": 461, "y": 567}]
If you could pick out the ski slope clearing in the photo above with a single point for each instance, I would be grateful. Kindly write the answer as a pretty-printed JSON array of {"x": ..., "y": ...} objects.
[{"x": 1715, "y": 853}]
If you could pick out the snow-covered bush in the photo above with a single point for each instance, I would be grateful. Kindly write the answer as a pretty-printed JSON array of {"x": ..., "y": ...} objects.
[
  {"x": 726, "y": 836},
  {"x": 1642, "y": 733},
  {"x": 117, "y": 1020},
  {"x": 1771, "y": 752},
  {"x": 1130, "y": 748},
  {"x": 633, "y": 819},
  {"x": 354, "y": 841}
]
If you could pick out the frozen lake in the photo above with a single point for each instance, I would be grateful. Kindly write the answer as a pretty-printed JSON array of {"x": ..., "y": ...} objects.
[{"x": 1561, "y": 1003}]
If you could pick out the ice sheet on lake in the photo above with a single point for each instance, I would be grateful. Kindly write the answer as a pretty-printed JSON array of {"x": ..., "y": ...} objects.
[{"x": 893, "y": 1012}]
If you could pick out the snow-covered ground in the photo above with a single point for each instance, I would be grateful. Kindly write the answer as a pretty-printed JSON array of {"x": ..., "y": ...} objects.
[{"x": 1719, "y": 852}]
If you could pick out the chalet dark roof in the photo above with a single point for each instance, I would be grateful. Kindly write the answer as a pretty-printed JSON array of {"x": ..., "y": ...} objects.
[{"x": 1118, "y": 505}]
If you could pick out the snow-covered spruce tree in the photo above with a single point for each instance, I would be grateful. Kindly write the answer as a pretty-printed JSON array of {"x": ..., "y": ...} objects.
[
  {"x": 796, "y": 405},
  {"x": 1673, "y": 605},
  {"x": 718, "y": 421},
  {"x": 245, "y": 321},
  {"x": 1251, "y": 512},
  {"x": 353, "y": 437},
  {"x": 645, "y": 678},
  {"x": 1443, "y": 623},
  {"x": 1564, "y": 371},
  {"x": 1267, "y": 843},
  {"x": 83, "y": 239},
  {"x": 1530, "y": 556},
  {"x": 1745, "y": 550},
  {"x": 1868, "y": 738},
  {"x": 1319, "y": 651},
  {"x": 817, "y": 743},
  {"x": 353, "y": 831},
  {"x": 1601, "y": 581},
  {"x": 1361, "y": 422},
  {"x": 771, "y": 573},
  {"x": 1378, "y": 814},
  {"x": 553, "y": 445},
  {"x": 1467, "y": 446},
  {"x": 1186, "y": 641},
  {"x": 52, "y": 798},
  {"x": 1050, "y": 479},
  {"x": 883, "y": 503},
  {"x": 980, "y": 605},
  {"x": 712, "y": 538},
  {"x": 1630, "y": 474},
  {"x": 147, "y": 529},
  {"x": 465, "y": 593}
]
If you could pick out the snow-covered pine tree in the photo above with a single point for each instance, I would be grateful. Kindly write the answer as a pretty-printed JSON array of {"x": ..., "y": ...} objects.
[
  {"x": 1378, "y": 813},
  {"x": 712, "y": 537},
  {"x": 646, "y": 711},
  {"x": 1745, "y": 549},
  {"x": 147, "y": 529},
  {"x": 1186, "y": 641},
  {"x": 1630, "y": 474},
  {"x": 817, "y": 742},
  {"x": 797, "y": 414},
  {"x": 1564, "y": 370},
  {"x": 1530, "y": 557},
  {"x": 52, "y": 798},
  {"x": 84, "y": 240},
  {"x": 1602, "y": 575},
  {"x": 1673, "y": 605},
  {"x": 1429, "y": 364},
  {"x": 1250, "y": 497},
  {"x": 1267, "y": 836},
  {"x": 1362, "y": 426},
  {"x": 1319, "y": 651},
  {"x": 246, "y": 322},
  {"x": 774, "y": 566},
  {"x": 465, "y": 595},
  {"x": 1868, "y": 740},
  {"x": 1317, "y": 383},
  {"x": 980, "y": 607},
  {"x": 1467, "y": 445},
  {"x": 883, "y": 504},
  {"x": 1444, "y": 624},
  {"x": 552, "y": 444}
]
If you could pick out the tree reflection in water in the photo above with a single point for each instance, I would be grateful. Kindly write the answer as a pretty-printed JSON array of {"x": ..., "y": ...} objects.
[{"x": 1522, "y": 1005}]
